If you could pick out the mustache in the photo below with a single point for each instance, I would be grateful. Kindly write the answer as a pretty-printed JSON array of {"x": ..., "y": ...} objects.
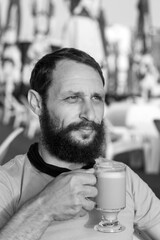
[{"x": 83, "y": 124}]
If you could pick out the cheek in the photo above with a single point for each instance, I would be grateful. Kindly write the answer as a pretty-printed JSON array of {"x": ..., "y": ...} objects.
[
  {"x": 55, "y": 119},
  {"x": 66, "y": 116},
  {"x": 99, "y": 111}
]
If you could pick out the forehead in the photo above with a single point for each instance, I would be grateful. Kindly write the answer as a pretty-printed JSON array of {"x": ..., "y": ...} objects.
[{"x": 70, "y": 75}]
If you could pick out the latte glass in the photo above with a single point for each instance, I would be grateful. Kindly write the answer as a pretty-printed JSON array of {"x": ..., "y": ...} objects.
[{"x": 111, "y": 198}]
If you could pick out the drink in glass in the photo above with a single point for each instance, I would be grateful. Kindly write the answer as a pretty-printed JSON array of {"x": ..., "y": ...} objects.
[{"x": 111, "y": 198}]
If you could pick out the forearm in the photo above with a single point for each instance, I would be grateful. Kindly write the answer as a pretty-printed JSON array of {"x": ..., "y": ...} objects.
[
  {"x": 29, "y": 223},
  {"x": 58, "y": 201}
]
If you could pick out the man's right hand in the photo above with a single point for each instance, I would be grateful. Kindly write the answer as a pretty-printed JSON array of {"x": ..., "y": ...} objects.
[{"x": 69, "y": 194}]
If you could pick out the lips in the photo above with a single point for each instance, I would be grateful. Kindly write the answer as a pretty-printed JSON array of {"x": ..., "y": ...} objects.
[
  {"x": 84, "y": 134},
  {"x": 86, "y": 128}
]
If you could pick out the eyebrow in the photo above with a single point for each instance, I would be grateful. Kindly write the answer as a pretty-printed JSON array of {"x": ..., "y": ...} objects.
[{"x": 100, "y": 94}]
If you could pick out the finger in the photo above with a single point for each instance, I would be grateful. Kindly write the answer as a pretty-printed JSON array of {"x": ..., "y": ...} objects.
[
  {"x": 87, "y": 179},
  {"x": 81, "y": 177},
  {"x": 89, "y": 191},
  {"x": 88, "y": 204},
  {"x": 91, "y": 170},
  {"x": 82, "y": 212}
]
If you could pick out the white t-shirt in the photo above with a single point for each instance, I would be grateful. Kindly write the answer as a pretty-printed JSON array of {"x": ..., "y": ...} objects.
[{"x": 19, "y": 181}]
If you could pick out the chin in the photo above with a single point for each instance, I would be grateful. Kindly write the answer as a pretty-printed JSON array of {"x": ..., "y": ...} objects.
[{"x": 83, "y": 140}]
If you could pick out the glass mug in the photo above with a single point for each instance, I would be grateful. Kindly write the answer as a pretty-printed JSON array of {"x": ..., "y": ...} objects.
[{"x": 111, "y": 198}]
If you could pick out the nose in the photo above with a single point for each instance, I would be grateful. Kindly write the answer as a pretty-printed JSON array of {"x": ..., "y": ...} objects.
[{"x": 87, "y": 111}]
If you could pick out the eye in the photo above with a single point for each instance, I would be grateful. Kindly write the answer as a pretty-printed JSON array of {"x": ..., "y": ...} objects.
[
  {"x": 72, "y": 99},
  {"x": 98, "y": 98}
]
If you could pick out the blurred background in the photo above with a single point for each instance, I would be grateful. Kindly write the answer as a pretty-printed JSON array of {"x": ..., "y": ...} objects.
[{"x": 123, "y": 37}]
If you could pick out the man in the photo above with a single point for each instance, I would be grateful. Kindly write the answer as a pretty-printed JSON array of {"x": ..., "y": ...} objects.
[{"x": 49, "y": 192}]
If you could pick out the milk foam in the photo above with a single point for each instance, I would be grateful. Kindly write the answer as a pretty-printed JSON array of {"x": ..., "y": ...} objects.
[{"x": 111, "y": 175}]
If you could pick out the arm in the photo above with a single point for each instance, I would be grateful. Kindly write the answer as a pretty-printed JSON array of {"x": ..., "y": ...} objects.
[
  {"x": 154, "y": 232},
  {"x": 28, "y": 223},
  {"x": 147, "y": 208},
  {"x": 62, "y": 199}
]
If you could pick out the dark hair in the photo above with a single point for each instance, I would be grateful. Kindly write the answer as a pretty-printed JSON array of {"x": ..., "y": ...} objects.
[{"x": 41, "y": 76}]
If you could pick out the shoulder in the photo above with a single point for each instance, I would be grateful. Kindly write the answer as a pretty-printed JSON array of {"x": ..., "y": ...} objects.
[
  {"x": 14, "y": 165},
  {"x": 12, "y": 170},
  {"x": 136, "y": 185},
  {"x": 146, "y": 204},
  {"x": 10, "y": 186}
]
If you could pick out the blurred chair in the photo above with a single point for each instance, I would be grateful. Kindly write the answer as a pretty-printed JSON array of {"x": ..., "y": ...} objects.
[
  {"x": 6, "y": 143},
  {"x": 129, "y": 153},
  {"x": 126, "y": 145},
  {"x": 157, "y": 124}
]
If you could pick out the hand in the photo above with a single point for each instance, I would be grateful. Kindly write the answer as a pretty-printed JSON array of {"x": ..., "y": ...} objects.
[{"x": 68, "y": 194}]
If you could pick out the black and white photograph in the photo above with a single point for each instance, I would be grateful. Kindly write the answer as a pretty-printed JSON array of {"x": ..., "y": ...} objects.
[{"x": 79, "y": 120}]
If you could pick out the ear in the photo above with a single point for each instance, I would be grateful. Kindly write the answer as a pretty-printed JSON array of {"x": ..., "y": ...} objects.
[{"x": 35, "y": 102}]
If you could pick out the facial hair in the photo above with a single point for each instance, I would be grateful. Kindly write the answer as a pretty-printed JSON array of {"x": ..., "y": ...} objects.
[{"x": 61, "y": 144}]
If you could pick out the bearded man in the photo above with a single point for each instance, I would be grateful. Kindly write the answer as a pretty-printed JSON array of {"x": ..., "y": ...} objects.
[{"x": 49, "y": 192}]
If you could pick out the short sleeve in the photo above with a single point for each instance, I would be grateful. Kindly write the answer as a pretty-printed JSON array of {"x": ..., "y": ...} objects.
[
  {"x": 146, "y": 204},
  {"x": 6, "y": 199}
]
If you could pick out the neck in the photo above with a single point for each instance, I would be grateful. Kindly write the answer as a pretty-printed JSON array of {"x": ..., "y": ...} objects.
[{"x": 53, "y": 160}]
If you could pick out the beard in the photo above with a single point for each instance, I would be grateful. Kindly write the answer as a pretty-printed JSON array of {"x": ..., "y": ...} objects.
[{"x": 61, "y": 144}]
